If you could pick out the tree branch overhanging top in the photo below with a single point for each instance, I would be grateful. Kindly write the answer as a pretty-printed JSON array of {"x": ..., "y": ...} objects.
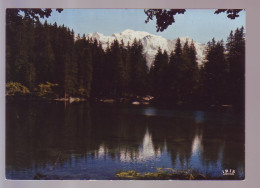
[{"x": 165, "y": 17}]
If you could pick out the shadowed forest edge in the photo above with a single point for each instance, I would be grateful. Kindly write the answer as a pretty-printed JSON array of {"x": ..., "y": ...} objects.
[{"x": 46, "y": 61}]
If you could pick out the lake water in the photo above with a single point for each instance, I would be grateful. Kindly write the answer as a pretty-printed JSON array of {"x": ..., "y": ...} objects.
[{"x": 95, "y": 141}]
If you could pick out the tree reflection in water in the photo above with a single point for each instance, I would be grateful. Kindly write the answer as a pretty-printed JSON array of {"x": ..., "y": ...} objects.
[{"x": 85, "y": 141}]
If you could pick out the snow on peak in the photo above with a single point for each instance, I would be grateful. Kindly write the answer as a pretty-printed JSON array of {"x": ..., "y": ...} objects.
[
  {"x": 127, "y": 31},
  {"x": 135, "y": 33},
  {"x": 150, "y": 42},
  {"x": 97, "y": 35},
  {"x": 186, "y": 38}
]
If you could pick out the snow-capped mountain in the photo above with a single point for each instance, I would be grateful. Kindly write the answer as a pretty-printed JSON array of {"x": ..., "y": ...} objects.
[{"x": 150, "y": 43}]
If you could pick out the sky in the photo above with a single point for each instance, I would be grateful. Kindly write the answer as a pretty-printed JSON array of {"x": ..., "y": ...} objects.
[{"x": 200, "y": 24}]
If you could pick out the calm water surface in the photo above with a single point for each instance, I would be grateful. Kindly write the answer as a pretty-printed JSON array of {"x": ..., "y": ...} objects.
[{"x": 95, "y": 141}]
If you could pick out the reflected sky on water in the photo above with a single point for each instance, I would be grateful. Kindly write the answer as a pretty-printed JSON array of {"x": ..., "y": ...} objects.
[{"x": 83, "y": 141}]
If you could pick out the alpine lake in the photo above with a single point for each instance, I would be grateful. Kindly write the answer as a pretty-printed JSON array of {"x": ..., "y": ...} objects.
[{"x": 95, "y": 141}]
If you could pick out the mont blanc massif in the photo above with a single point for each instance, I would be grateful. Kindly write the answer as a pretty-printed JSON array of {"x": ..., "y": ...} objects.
[{"x": 150, "y": 43}]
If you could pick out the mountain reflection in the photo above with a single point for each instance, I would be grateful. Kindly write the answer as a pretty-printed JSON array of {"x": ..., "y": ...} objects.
[
  {"x": 145, "y": 151},
  {"x": 95, "y": 141},
  {"x": 197, "y": 147}
]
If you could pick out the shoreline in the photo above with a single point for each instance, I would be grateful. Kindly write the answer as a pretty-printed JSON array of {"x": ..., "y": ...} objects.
[{"x": 141, "y": 101}]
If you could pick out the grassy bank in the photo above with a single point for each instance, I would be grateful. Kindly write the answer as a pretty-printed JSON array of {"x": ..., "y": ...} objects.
[{"x": 160, "y": 174}]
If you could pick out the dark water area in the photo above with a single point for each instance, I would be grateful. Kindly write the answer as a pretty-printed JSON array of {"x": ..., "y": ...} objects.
[{"x": 95, "y": 141}]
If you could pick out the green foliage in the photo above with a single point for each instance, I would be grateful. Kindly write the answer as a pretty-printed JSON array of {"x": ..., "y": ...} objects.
[
  {"x": 160, "y": 174},
  {"x": 46, "y": 90},
  {"x": 15, "y": 88}
]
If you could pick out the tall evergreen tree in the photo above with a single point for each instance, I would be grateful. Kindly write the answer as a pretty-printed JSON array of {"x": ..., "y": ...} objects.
[
  {"x": 125, "y": 53},
  {"x": 159, "y": 73},
  {"x": 138, "y": 70},
  {"x": 116, "y": 62},
  {"x": 70, "y": 67},
  {"x": 236, "y": 59},
  {"x": 215, "y": 74},
  {"x": 194, "y": 74},
  {"x": 23, "y": 60},
  {"x": 84, "y": 61},
  {"x": 44, "y": 53},
  {"x": 175, "y": 69},
  {"x": 108, "y": 73},
  {"x": 98, "y": 70},
  {"x": 189, "y": 71}
]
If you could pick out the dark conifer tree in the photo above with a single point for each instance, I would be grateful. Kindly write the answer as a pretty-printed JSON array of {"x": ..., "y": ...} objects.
[
  {"x": 175, "y": 69},
  {"x": 236, "y": 59},
  {"x": 171, "y": 74},
  {"x": 194, "y": 74},
  {"x": 117, "y": 69},
  {"x": 138, "y": 70},
  {"x": 189, "y": 73},
  {"x": 29, "y": 69},
  {"x": 45, "y": 56},
  {"x": 83, "y": 53},
  {"x": 23, "y": 60},
  {"x": 215, "y": 74},
  {"x": 13, "y": 35},
  {"x": 125, "y": 53},
  {"x": 71, "y": 68},
  {"x": 108, "y": 72},
  {"x": 159, "y": 74},
  {"x": 98, "y": 70}
]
